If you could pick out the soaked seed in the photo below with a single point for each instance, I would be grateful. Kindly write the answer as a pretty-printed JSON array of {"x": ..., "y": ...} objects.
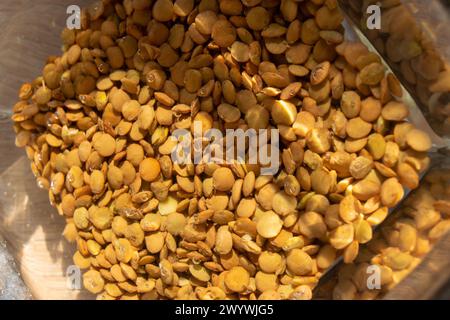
[
  {"x": 317, "y": 140},
  {"x": 299, "y": 262},
  {"x": 376, "y": 146},
  {"x": 199, "y": 272},
  {"x": 223, "y": 33},
  {"x": 149, "y": 169},
  {"x": 97, "y": 181},
  {"x": 131, "y": 110},
  {"x": 298, "y": 54},
  {"x": 257, "y": 18},
  {"x": 266, "y": 281},
  {"x": 360, "y": 167},
  {"x": 205, "y": 21},
  {"x": 290, "y": 91},
  {"x": 321, "y": 181},
  {"x": 43, "y": 95},
  {"x": 183, "y": 7},
  {"x": 269, "y": 224},
  {"x": 319, "y": 73},
  {"x": 240, "y": 51},
  {"x": 248, "y": 184},
  {"x": 53, "y": 141},
  {"x": 123, "y": 250},
  {"x": 283, "y": 204},
  {"x": 349, "y": 208},
  {"x": 298, "y": 70},
  {"x": 134, "y": 234},
  {"x": 151, "y": 222},
  {"x": 350, "y": 104},
  {"x": 302, "y": 292},
  {"x": 291, "y": 186},
  {"x": 257, "y": 118},
  {"x": 246, "y": 208},
  {"x": 418, "y": 140},
  {"x": 93, "y": 281},
  {"x": 396, "y": 260},
  {"x": 101, "y": 218},
  {"x": 105, "y": 145},
  {"x": 98, "y": 126},
  {"x": 363, "y": 231},
  {"x": 304, "y": 122},
  {"x": 326, "y": 257},
  {"x": 270, "y": 262},
  {"x": 407, "y": 237},
  {"x": 75, "y": 177},
  {"x": 391, "y": 192},
  {"x": 370, "y": 109},
  {"x": 175, "y": 223},
  {"x": 407, "y": 176},
  {"x": 154, "y": 242},
  {"x": 395, "y": 111},
  {"x": 223, "y": 179},
  {"x": 167, "y": 206},
  {"x": 372, "y": 74},
  {"x": 384, "y": 170},
  {"x": 357, "y": 128},
  {"x": 81, "y": 218},
  {"x": 276, "y": 45},
  {"x": 163, "y": 10},
  {"x": 342, "y": 236},
  {"x": 312, "y": 225},
  {"x": 351, "y": 252},
  {"x": 366, "y": 189},
  {"x": 378, "y": 216},
  {"x": 228, "y": 113},
  {"x": 224, "y": 241}
]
